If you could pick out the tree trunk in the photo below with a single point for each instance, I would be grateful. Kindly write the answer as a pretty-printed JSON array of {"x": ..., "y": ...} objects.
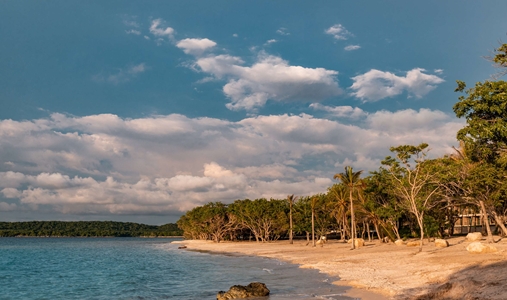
[
  {"x": 499, "y": 222},
  {"x": 290, "y": 221},
  {"x": 307, "y": 238},
  {"x": 313, "y": 228},
  {"x": 352, "y": 221},
  {"x": 421, "y": 226},
  {"x": 486, "y": 222},
  {"x": 377, "y": 231},
  {"x": 368, "y": 229}
]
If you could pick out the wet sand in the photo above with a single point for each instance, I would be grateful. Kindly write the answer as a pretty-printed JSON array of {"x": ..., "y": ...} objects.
[{"x": 387, "y": 271}]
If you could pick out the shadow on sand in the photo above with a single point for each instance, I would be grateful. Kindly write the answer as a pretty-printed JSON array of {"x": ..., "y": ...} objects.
[{"x": 474, "y": 282}]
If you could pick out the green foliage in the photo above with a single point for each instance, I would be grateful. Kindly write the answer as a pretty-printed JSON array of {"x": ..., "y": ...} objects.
[
  {"x": 485, "y": 110},
  {"x": 86, "y": 229}
]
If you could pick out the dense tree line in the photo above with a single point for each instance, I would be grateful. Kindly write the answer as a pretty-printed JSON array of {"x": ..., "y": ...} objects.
[
  {"x": 408, "y": 196},
  {"x": 86, "y": 229}
]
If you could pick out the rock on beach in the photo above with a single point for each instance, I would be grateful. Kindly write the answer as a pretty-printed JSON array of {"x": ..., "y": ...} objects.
[
  {"x": 441, "y": 243},
  {"x": 474, "y": 236},
  {"x": 357, "y": 242},
  {"x": 478, "y": 247}
]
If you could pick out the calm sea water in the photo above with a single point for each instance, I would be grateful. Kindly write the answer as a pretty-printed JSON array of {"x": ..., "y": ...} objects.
[{"x": 135, "y": 268}]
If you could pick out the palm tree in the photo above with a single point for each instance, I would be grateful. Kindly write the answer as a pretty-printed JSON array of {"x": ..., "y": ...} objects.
[
  {"x": 353, "y": 182},
  {"x": 291, "y": 199},
  {"x": 340, "y": 195}
]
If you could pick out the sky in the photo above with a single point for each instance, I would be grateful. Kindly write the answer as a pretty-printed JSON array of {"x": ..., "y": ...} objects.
[{"x": 139, "y": 111}]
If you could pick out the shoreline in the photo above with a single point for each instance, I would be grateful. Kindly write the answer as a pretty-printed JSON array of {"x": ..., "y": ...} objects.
[{"x": 387, "y": 271}]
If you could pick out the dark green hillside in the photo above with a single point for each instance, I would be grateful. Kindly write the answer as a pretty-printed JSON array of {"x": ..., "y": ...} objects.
[{"x": 86, "y": 229}]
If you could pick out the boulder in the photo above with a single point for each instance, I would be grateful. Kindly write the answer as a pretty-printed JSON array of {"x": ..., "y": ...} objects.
[
  {"x": 357, "y": 242},
  {"x": 441, "y": 243},
  {"x": 413, "y": 243},
  {"x": 478, "y": 247},
  {"x": 254, "y": 289},
  {"x": 399, "y": 242},
  {"x": 474, "y": 236}
]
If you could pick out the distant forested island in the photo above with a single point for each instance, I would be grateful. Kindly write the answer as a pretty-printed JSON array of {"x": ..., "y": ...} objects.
[{"x": 86, "y": 229}]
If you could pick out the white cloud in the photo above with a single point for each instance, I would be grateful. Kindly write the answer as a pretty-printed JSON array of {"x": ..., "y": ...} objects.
[
  {"x": 133, "y": 31},
  {"x": 147, "y": 37},
  {"x": 375, "y": 85},
  {"x": 438, "y": 71},
  {"x": 161, "y": 32},
  {"x": 282, "y": 31},
  {"x": 352, "y": 47},
  {"x": 269, "y": 78},
  {"x": 168, "y": 164},
  {"x": 271, "y": 41},
  {"x": 341, "y": 111},
  {"x": 195, "y": 46},
  {"x": 339, "y": 32},
  {"x": 123, "y": 75},
  {"x": 130, "y": 21},
  {"x": 235, "y": 35}
]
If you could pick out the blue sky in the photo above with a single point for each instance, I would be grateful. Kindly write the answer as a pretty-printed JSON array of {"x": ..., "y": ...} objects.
[{"x": 141, "y": 110}]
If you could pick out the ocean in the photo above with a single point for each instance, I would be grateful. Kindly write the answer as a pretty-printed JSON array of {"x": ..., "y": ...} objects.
[{"x": 138, "y": 268}]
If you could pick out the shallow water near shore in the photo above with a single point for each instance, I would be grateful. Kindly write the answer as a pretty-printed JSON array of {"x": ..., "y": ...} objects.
[{"x": 136, "y": 268}]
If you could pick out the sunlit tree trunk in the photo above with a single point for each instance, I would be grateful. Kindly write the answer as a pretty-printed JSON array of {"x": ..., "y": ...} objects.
[{"x": 486, "y": 222}]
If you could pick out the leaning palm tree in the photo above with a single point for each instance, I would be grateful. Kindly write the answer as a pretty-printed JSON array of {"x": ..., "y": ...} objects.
[
  {"x": 353, "y": 182},
  {"x": 291, "y": 199}
]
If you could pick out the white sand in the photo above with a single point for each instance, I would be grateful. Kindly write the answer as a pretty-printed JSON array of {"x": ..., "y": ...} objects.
[{"x": 387, "y": 271}]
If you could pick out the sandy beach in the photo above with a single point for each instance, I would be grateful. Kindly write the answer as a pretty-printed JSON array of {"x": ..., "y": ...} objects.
[{"x": 387, "y": 271}]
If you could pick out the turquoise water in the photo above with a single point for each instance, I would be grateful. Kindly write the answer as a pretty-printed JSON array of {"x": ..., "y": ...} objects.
[{"x": 135, "y": 268}]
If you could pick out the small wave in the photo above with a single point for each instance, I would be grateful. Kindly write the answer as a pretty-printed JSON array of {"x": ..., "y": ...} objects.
[{"x": 270, "y": 271}]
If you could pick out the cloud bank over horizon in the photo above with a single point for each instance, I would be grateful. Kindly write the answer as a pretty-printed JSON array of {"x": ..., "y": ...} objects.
[{"x": 167, "y": 164}]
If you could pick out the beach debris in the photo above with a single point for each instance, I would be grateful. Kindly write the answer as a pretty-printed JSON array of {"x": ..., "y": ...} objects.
[
  {"x": 182, "y": 247},
  {"x": 399, "y": 242},
  {"x": 441, "y": 243},
  {"x": 254, "y": 289},
  {"x": 478, "y": 247},
  {"x": 474, "y": 236},
  {"x": 357, "y": 242}
]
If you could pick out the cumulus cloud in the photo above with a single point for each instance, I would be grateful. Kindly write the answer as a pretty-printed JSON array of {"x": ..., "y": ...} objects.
[
  {"x": 195, "y": 46},
  {"x": 269, "y": 78},
  {"x": 123, "y": 75},
  {"x": 375, "y": 85},
  {"x": 104, "y": 164},
  {"x": 339, "y": 32},
  {"x": 341, "y": 111},
  {"x": 352, "y": 47},
  {"x": 161, "y": 32}
]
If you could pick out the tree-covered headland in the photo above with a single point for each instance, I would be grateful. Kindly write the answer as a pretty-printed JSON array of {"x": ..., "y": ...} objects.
[
  {"x": 408, "y": 196},
  {"x": 86, "y": 229}
]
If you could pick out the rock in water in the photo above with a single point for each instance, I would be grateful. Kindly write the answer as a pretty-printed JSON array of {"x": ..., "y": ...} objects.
[
  {"x": 441, "y": 243},
  {"x": 478, "y": 247},
  {"x": 474, "y": 236},
  {"x": 254, "y": 289}
]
